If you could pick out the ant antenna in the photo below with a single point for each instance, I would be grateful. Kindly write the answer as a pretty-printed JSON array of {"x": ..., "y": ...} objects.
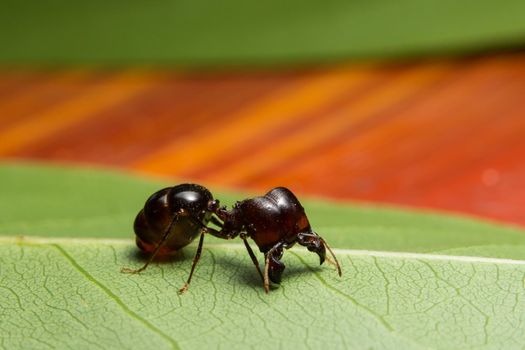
[{"x": 333, "y": 256}]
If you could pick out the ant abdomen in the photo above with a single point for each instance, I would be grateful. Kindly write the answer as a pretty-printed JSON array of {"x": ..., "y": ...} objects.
[{"x": 188, "y": 202}]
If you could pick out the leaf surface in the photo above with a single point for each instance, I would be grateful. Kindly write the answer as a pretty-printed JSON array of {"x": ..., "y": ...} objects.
[
  {"x": 64, "y": 294},
  {"x": 67, "y": 291}
]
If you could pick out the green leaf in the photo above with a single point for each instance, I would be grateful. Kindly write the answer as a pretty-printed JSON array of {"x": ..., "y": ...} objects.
[
  {"x": 64, "y": 294},
  {"x": 239, "y": 32},
  {"x": 67, "y": 291}
]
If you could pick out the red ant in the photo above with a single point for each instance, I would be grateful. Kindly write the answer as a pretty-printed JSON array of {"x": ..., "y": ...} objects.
[{"x": 174, "y": 216}]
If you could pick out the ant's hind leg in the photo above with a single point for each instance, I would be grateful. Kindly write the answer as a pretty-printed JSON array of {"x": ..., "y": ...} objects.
[
  {"x": 157, "y": 248},
  {"x": 273, "y": 268},
  {"x": 252, "y": 255}
]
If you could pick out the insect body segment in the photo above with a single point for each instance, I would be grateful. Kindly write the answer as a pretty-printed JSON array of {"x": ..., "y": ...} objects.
[
  {"x": 187, "y": 203},
  {"x": 175, "y": 216}
]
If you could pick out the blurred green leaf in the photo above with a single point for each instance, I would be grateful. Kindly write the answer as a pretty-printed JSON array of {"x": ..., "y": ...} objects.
[
  {"x": 238, "y": 32},
  {"x": 67, "y": 202}
]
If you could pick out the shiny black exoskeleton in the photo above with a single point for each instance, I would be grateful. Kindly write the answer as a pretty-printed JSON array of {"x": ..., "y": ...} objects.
[
  {"x": 183, "y": 209},
  {"x": 175, "y": 216}
]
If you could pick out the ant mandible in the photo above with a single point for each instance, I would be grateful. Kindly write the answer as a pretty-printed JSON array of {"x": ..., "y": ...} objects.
[{"x": 174, "y": 216}]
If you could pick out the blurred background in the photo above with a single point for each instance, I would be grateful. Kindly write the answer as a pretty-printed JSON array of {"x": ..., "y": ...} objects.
[{"x": 413, "y": 103}]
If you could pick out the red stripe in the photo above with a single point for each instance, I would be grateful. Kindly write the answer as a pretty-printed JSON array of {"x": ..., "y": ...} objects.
[
  {"x": 129, "y": 130},
  {"x": 284, "y": 129}
]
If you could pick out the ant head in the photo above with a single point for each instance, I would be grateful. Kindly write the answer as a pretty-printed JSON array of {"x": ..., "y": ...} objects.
[
  {"x": 313, "y": 243},
  {"x": 319, "y": 248}
]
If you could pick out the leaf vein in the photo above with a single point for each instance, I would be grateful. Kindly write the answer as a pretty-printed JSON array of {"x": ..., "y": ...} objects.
[
  {"x": 113, "y": 296},
  {"x": 377, "y": 316},
  {"x": 468, "y": 301}
]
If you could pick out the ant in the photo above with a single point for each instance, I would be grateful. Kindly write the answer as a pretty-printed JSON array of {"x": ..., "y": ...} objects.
[{"x": 174, "y": 216}]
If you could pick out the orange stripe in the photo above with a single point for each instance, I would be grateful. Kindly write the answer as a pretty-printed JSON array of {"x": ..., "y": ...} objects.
[
  {"x": 428, "y": 130},
  {"x": 325, "y": 128},
  {"x": 83, "y": 106},
  {"x": 262, "y": 116},
  {"x": 371, "y": 153},
  {"x": 29, "y": 99},
  {"x": 287, "y": 127},
  {"x": 429, "y": 149},
  {"x": 10, "y": 82}
]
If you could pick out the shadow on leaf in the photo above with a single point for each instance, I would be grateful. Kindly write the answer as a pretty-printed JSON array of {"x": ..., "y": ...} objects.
[
  {"x": 247, "y": 274},
  {"x": 138, "y": 256}
]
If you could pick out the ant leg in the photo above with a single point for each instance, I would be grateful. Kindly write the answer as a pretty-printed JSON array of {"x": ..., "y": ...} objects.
[
  {"x": 266, "y": 280},
  {"x": 276, "y": 266},
  {"x": 197, "y": 256},
  {"x": 273, "y": 267},
  {"x": 216, "y": 221},
  {"x": 157, "y": 248},
  {"x": 252, "y": 255},
  {"x": 195, "y": 261},
  {"x": 226, "y": 234},
  {"x": 222, "y": 233}
]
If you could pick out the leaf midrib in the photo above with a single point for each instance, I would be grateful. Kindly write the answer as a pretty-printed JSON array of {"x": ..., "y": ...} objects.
[
  {"x": 21, "y": 240},
  {"x": 113, "y": 296}
]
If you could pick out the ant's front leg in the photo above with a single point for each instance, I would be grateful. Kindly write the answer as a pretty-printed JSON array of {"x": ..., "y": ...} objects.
[
  {"x": 222, "y": 212},
  {"x": 194, "y": 263},
  {"x": 252, "y": 255},
  {"x": 226, "y": 233},
  {"x": 205, "y": 229},
  {"x": 229, "y": 217},
  {"x": 216, "y": 221},
  {"x": 273, "y": 268}
]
